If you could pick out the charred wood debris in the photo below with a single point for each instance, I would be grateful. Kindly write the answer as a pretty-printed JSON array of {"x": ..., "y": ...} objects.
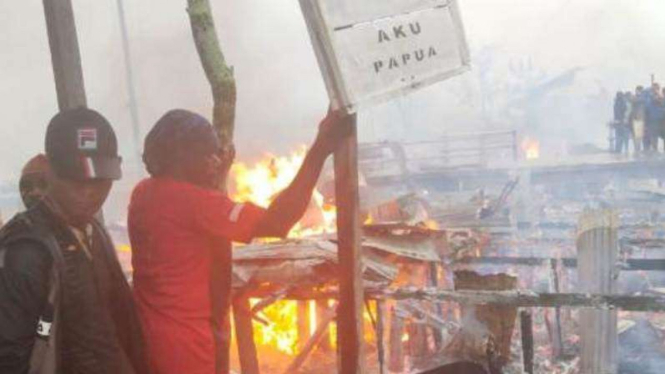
[{"x": 495, "y": 287}]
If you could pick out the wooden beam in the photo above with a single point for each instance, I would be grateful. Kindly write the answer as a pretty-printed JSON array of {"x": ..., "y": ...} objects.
[
  {"x": 219, "y": 74},
  {"x": 321, "y": 309},
  {"x": 498, "y": 319},
  {"x": 303, "y": 323},
  {"x": 526, "y": 325},
  {"x": 516, "y": 298},
  {"x": 434, "y": 282},
  {"x": 65, "y": 55},
  {"x": 597, "y": 254},
  {"x": 556, "y": 329},
  {"x": 242, "y": 317},
  {"x": 631, "y": 264},
  {"x": 380, "y": 327},
  {"x": 395, "y": 345},
  {"x": 349, "y": 318},
  {"x": 129, "y": 81}
]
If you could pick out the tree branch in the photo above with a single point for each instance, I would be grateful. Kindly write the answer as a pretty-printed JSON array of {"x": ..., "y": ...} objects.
[{"x": 219, "y": 74}]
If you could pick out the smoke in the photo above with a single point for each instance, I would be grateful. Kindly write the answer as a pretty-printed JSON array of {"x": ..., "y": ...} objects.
[{"x": 517, "y": 45}]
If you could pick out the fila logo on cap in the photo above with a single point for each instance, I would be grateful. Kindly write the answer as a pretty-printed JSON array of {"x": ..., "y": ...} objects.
[{"x": 87, "y": 139}]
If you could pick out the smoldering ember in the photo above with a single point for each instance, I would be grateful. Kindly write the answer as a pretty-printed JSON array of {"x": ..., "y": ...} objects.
[{"x": 231, "y": 188}]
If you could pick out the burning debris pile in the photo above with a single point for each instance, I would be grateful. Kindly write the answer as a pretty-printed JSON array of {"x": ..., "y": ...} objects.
[{"x": 419, "y": 279}]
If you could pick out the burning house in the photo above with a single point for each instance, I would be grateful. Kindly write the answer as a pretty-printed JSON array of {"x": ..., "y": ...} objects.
[
  {"x": 474, "y": 251},
  {"x": 450, "y": 276}
]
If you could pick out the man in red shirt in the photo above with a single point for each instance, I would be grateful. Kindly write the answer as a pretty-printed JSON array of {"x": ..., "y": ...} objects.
[{"x": 180, "y": 226}]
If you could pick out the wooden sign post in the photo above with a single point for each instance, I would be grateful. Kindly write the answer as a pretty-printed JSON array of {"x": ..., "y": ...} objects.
[
  {"x": 65, "y": 54},
  {"x": 349, "y": 316},
  {"x": 370, "y": 51}
]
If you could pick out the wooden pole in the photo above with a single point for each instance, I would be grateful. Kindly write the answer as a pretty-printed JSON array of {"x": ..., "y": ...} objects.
[
  {"x": 220, "y": 75},
  {"x": 321, "y": 308},
  {"x": 557, "y": 334},
  {"x": 597, "y": 256},
  {"x": 129, "y": 79},
  {"x": 223, "y": 87},
  {"x": 242, "y": 317},
  {"x": 434, "y": 282},
  {"x": 380, "y": 328},
  {"x": 395, "y": 345},
  {"x": 303, "y": 323},
  {"x": 65, "y": 54},
  {"x": 349, "y": 318},
  {"x": 526, "y": 324}
]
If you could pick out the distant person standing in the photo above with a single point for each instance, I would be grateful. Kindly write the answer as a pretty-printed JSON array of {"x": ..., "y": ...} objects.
[
  {"x": 653, "y": 117},
  {"x": 620, "y": 133},
  {"x": 627, "y": 119},
  {"x": 637, "y": 118},
  {"x": 661, "y": 126}
]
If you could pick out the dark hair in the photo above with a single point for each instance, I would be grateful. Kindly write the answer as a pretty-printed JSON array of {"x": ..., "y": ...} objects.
[{"x": 177, "y": 138}]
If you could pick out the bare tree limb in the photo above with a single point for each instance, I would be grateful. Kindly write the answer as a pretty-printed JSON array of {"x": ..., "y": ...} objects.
[{"x": 219, "y": 74}]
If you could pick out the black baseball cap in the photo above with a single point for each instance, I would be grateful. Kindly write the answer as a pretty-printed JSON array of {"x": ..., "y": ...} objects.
[{"x": 81, "y": 145}]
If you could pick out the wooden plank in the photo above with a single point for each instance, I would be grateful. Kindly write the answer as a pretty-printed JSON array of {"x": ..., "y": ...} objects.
[
  {"x": 597, "y": 253},
  {"x": 437, "y": 334},
  {"x": 242, "y": 317},
  {"x": 349, "y": 318},
  {"x": 395, "y": 346},
  {"x": 380, "y": 327},
  {"x": 321, "y": 309},
  {"x": 65, "y": 55},
  {"x": 303, "y": 323},
  {"x": 526, "y": 324},
  {"x": 516, "y": 298},
  {"x": 499, "y": 320},
  {"x": 557, "y": 335},
  {"x": 632, "y": 264}
]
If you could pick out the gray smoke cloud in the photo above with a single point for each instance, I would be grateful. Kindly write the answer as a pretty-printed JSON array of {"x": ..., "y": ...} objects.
[{"x": 586, "y": 49}]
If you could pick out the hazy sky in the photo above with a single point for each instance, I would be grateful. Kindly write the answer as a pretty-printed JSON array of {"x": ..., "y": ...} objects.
[{"x": 281, "y": 95}]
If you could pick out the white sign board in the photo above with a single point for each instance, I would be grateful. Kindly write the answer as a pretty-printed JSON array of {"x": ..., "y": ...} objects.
[{"x": 373, "y": 50}]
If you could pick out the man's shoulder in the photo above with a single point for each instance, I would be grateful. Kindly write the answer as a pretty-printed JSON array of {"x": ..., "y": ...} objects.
[
  {"x": 21, "y": 225},
  {"x": 22, "y": 245},
  {"x": 27, "y": 228}
]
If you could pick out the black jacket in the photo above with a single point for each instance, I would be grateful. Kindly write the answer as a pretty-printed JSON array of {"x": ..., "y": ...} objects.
[{"x": 30, "y": 269}]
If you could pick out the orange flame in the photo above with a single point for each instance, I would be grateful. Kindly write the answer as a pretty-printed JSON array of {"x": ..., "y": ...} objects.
[
  {"x": 263, "y": 181},
  {"x": 260, "y": 184},
  {"x": 531, "y": 148},
  {"x": 281, "y": 332}
]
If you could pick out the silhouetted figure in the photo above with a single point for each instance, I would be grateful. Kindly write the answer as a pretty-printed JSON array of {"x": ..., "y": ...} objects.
[{"x": 620, "y": 126}]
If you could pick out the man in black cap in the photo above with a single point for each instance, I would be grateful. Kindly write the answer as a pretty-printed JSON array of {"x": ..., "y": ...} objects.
[{"x": 65, "y": 306}]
